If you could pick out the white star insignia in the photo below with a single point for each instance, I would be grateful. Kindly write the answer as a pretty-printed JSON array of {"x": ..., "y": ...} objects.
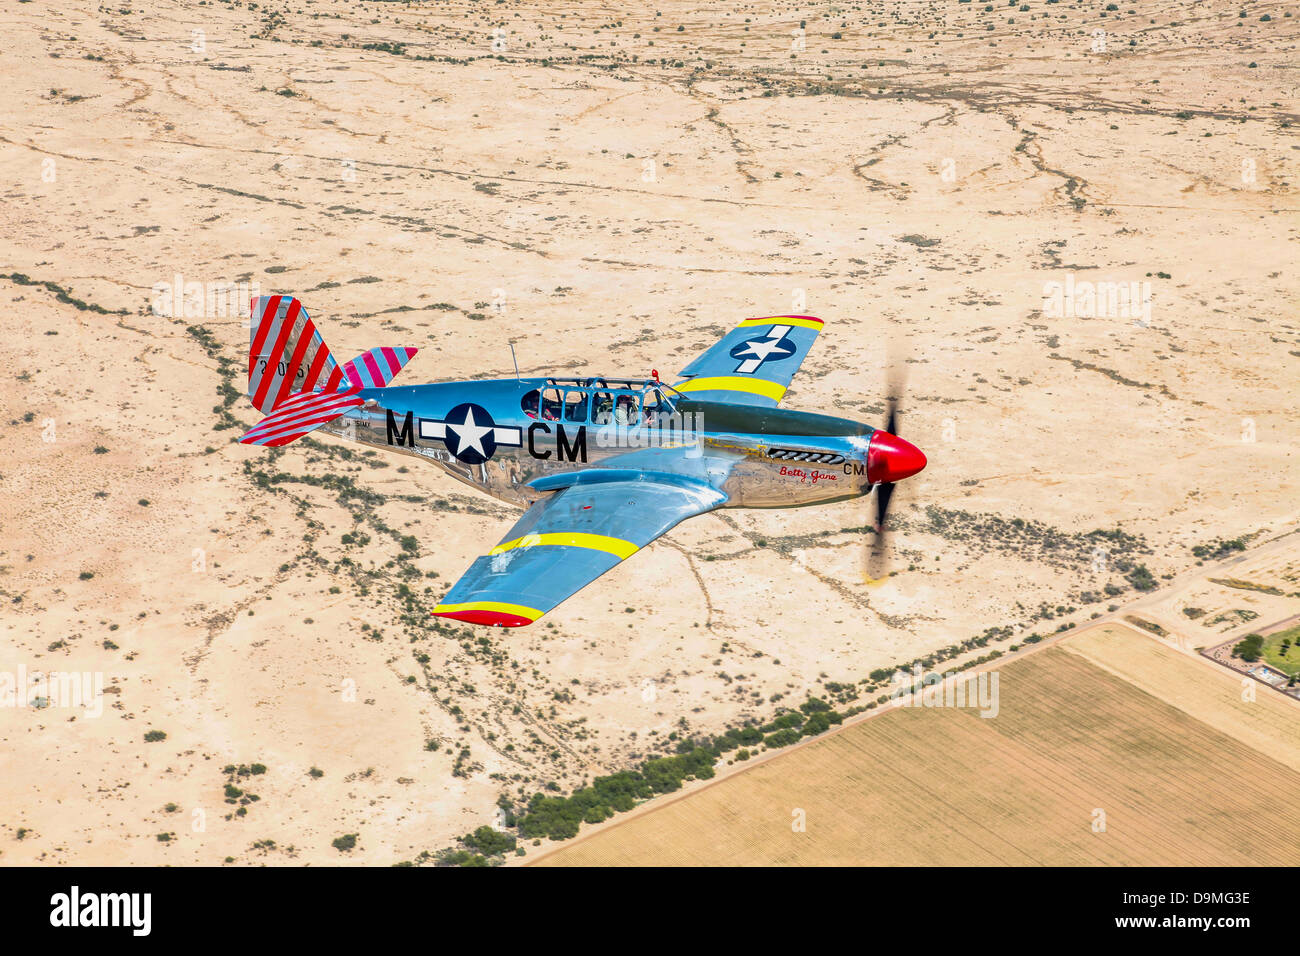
[{"x": 470, "y": 433}]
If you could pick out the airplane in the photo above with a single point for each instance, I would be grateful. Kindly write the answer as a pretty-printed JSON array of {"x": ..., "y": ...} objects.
[{"x": 601, "y": 466}]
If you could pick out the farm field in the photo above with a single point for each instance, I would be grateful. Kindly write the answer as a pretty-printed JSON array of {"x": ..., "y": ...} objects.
[
  {"x": 1268, "y": 723},
  {"x": 1094, "y": 728}
]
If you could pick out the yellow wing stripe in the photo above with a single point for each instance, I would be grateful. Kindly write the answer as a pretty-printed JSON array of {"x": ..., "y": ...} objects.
[
  {"x": 734, "y": 383},
  {"x": 784, "y": 320},
  {"x": 517, "y": 609},
  {"x": 572, "y": 539}
]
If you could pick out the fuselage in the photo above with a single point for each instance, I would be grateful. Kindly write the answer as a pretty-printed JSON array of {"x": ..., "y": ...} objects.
[{"x": 515, "y": 439}]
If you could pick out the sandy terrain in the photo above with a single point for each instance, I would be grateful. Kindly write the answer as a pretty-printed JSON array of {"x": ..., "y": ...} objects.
[{"x": 613, "y": 193}]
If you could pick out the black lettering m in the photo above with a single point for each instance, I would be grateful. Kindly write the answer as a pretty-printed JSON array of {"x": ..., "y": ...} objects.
[
  {"x": 406, "y": 434},
  {"x": 576, "y": 452}
]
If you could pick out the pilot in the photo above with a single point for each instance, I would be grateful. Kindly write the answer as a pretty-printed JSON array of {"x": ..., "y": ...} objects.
[
  {"x": 551, "y": 406},
  {"x": 650, "y": 407},
  {"x": 530, "y": 404},
  {"x": 625, "y": 410}
]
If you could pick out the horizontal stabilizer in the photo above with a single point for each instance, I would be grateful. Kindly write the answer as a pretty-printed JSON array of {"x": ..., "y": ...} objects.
[
  {"x": 299, "y": 414},
  {"x": 376, "y": 368}
]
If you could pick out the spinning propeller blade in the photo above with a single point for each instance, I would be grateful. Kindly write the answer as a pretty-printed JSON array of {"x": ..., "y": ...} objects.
[{"x": 890, "y": 459}]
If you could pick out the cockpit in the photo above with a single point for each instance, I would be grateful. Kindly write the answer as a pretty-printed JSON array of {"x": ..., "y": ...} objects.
[{"x": 600, "y": 401}]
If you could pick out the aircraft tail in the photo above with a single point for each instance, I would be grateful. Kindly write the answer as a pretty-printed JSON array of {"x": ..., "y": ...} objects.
[
  {"x": 294, "y": 379},
  {"x": 286, "y": 353}
]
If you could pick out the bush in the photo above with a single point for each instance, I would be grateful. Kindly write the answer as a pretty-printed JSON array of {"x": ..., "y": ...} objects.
[
  {"x": 1249, "y": 648},
  {"x": 782, "y": 738},
  {"x": 559, "y": 818},
  {"x": 1219, "y": 548},
  {"x": 460, "y": 858},
  {"x": 817, "y": 724},
  {"x": 789, "y": 720},
  {"x": 489, "y": 842},
  {"x": 1141, "y": 578}
]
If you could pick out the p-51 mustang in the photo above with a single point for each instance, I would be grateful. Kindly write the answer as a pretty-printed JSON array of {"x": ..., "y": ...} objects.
[{"x": 602, "y": 466}]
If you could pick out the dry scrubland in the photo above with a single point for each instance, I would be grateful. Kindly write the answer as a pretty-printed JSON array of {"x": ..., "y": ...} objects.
[
  {"x": 918, "y": 170},
  {"x": 1184, "y": 772}
]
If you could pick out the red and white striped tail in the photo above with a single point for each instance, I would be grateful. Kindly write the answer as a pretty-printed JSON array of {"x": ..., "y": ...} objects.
[
  {"x": 295, "y": 381},
  {"x": 286, "y": 354}
]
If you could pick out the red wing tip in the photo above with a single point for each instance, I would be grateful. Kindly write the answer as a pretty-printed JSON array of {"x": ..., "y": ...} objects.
[{"x": 486, "y": 618}]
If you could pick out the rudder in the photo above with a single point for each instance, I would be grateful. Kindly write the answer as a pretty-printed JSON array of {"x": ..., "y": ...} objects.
[{"x": 286, "y": 353}]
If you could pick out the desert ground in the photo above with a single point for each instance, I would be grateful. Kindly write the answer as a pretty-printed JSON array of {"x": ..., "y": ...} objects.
[{"x": 612, "y": 190}]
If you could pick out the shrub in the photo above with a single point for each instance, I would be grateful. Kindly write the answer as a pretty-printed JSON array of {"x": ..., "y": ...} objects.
[
  {"x": 1249, "y": 648},
  {"x": 489, "y": 842},
  {"x": 1141, "y": 578}
]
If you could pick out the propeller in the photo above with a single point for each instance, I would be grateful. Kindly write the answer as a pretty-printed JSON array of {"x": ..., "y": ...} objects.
[{"x": 885, "y": 490}]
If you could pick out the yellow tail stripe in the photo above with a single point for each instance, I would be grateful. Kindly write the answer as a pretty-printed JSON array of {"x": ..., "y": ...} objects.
[
  {"x": 572, "y": 539},
  {"x": 518, "y": 609},
  {"x": 783, "y": 320},
  {"x": 734, "y": 383}
]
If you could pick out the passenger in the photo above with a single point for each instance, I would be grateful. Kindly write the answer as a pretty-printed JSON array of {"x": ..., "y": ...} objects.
[{"x": 575, "y": 409}]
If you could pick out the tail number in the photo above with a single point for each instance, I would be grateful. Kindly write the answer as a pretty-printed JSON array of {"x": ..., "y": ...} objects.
[{"x": 282, "y": 367}]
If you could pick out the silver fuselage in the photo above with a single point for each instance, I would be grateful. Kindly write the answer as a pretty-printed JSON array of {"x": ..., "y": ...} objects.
[{"x": 758, "y": 457}]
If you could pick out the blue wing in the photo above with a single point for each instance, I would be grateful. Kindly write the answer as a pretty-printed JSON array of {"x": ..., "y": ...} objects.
[
  {"x": 754, "y": 362},
  {"x": 567, "y": 540}
]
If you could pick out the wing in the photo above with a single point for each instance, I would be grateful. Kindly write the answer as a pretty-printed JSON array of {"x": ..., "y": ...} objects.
[
  {"x": 754, "y": 362},
  {"x": 566, "y": 541}
]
